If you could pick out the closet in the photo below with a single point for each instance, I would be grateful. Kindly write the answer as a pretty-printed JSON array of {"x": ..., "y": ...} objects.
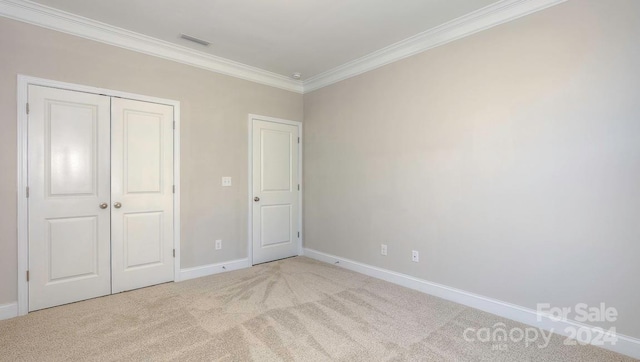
[{"x": 100, "y": 195}]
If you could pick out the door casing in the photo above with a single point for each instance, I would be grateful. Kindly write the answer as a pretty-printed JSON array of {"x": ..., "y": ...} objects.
[
  {"x": 22, "y": 181},
  {"x": 250, "y": 202}
]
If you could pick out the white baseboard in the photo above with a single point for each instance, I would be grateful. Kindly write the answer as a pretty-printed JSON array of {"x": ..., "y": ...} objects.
[
  {"x": 9, "y": 310},
  {"x": 625, "y": 345},
  {"x": 202, "y": 271}
]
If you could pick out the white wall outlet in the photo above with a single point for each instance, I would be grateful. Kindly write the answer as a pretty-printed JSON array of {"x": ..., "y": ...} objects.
[
  {"x": 415, "y": 256},
  {"x": 383, "y": 249},
  {"x": 226, "y": 181},
  {"x": 218, "y": 244}
]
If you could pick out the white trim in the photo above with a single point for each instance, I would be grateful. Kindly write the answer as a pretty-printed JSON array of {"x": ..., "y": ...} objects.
[
  {"x": 177, "y": 191},
  {"x": 23, "y": 202},
  {"x": 9, "y": 310},
  {"x": 479, "y": 20},
  {"x": 23, "y": 213},
  {"x": 625, "y": 345},
  {"x": 298, "y": 124},
  {"x": 482, "y": 19},
  {"x": 50, "y": 18},
  {"x": 211, "y": 269}
]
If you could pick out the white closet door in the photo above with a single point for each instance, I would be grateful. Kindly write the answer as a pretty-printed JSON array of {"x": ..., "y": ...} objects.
[
  {"x": 69, "y": 256},
  {"x": 275, "y": 191},
  {"x": 141, "y": 194}
]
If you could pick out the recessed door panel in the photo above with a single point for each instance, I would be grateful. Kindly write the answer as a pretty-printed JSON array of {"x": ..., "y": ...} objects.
[
  {"x": 143, "y": 152},
  {"x": 275, "y": 191},
  {"x": 276, "y": 160},
  {"x": 142, "y": 239},
  {"x": 142, "y": 195},
  {"x": 69, "y": 165},
  {"x": 72, "y": 148},
  {"x": 276, "y": 224},
  {"x": 73, "y": 248}
]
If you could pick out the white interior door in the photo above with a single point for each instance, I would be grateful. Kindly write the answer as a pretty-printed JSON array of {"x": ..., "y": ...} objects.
[
  {"x": 69, "y": 255},
  {"x": 275, "y": 191},
  {"x": 141, "y": 194}
]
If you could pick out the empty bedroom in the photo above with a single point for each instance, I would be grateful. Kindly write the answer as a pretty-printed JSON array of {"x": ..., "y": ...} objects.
[{"x": 354, "y": 180}]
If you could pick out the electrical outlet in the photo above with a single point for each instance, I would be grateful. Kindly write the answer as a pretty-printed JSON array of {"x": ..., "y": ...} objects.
[
  {"x": 383, "y": 249},
  {"x": 226, "y": 181},
  {"x": 218, "y": 244},
  {"x": 415, "y": 256}
]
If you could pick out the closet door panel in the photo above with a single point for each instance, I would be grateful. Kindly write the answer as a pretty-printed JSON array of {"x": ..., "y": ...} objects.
[
  {"x": 142, "y": 194},
  {"x": 69, "y": 176}
]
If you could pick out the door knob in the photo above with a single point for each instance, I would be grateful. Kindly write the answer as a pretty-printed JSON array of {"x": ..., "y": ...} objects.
[
  {"x": 117, "y": 205},
  {"x": 104, "y": 205},
  {"x": 256, "y": 199}
]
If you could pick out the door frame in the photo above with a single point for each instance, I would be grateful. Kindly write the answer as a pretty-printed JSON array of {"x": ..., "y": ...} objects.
[
  {"x": 23, "y": 84},
  {"x": 250, "y": 202}
]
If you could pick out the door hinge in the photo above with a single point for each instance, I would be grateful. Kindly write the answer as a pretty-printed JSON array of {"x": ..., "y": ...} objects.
[
  {"x": 298, "y": 187},
  {"x": 27, "y": 192},
  {"x": 174, "y": 189},
  {"x": 174, "y": 253},
  {"x": 27, "y": 275},
  {"x": 174, "y": 124},
  {"x": 298, "y": 234},
  {"x": 298, "y": 139},
  {"x": 27, "y": 108}
]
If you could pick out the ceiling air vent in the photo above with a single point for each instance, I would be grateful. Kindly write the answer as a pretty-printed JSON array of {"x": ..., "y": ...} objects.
[{"x": 194, "y": 39}]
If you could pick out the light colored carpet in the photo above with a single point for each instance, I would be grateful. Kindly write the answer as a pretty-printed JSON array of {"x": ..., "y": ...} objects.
[{"x": 293, "y": 309}]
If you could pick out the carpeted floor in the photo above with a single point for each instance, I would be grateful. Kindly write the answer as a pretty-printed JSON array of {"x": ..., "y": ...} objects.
[{"x": 293, "y": 309}]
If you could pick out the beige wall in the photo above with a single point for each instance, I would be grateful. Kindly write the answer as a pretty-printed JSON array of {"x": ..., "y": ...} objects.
[
  {"x": 510, "y": 159},
  {"x": 213, "y": 133}
]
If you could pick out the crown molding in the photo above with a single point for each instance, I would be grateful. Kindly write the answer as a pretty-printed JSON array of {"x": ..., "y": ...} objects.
[
  {"x": 479, "y": 20},
  {"x": 50, "y": 18}
]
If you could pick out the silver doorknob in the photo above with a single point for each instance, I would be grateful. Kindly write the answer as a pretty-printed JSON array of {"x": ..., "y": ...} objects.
[
  {"x": 256, "y": 199},
  {"x": 104, "y": 205},
  {"x": 117, "y": 205}
]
